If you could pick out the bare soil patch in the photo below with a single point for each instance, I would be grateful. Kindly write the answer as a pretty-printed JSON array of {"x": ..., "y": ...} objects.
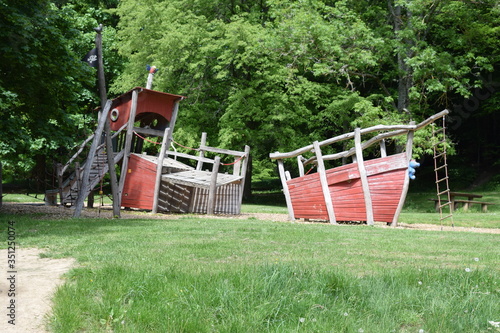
[{"x": 35, "y": 281}]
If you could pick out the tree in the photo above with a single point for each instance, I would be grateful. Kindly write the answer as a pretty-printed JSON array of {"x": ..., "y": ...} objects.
[
  {"x": 46, "y": 92},
  {"x": 278, "y": 74}
]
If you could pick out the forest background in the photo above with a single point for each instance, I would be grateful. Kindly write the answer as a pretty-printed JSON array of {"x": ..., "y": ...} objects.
[{"x": 273, "y": 74}]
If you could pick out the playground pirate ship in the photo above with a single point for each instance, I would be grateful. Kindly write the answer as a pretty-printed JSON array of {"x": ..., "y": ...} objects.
[
  {"x": 364, "y": 190},
  {"x": 156, "y": 183}
]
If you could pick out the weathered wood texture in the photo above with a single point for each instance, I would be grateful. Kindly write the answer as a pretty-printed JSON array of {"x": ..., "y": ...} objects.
[
  {"x": 139, "y": 185},
  {"x": 148, "y": 102},
  {"x": 396, "y": 130},
  {"x": 385, "y": 179},
  {"x": 179, "y": 198},
  {"x": 210, "y": 192}
]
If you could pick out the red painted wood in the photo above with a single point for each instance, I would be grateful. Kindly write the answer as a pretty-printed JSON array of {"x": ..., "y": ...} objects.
[
  {"x": 385, "y": 177},
  {"x": 148, "y": 101},
  {"x": 138, "y": 190}
]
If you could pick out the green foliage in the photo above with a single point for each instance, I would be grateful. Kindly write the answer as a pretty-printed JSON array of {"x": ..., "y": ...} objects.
[
  {"x": 273, "y": 74},
  {"x": 278, "y": 74},
  {"x": 46, "y": 91}
]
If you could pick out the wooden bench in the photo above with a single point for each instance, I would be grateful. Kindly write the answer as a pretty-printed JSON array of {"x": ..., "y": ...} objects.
[{"x": 466, "y": 203}]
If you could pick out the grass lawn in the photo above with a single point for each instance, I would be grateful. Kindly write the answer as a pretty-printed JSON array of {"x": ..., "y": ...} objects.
[{"x": 233, "y": 275}]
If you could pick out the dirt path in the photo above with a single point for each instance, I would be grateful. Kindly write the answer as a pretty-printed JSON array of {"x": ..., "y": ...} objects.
[{"x": 34, "y": 283}]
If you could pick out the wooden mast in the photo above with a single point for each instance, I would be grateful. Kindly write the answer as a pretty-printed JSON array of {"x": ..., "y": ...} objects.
[
  {"x": 107, "y": 131},
  {"x": 103, "y": 125}
]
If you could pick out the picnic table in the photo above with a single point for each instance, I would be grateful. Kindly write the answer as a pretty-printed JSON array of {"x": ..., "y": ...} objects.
[{"x": 456, "y": 201}]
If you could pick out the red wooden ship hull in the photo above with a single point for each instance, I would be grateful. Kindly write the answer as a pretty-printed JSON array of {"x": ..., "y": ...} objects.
[{"x": 386, "y": 179}]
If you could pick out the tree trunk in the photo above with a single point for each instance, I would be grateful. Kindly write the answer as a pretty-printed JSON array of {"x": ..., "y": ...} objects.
[{"x": 405, "y": 81}]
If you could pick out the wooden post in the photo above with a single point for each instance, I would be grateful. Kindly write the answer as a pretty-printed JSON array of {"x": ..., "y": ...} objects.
[
  {"x": 324, "y": 183},
  {"x": 244, "y": 176},
  {"x": 159, "y": 170},
  {"x": 90, "y": 199},
  {"x": 203, "y": 142},
  {"x": 173, "y": 119},
  {"x": 286, "y": 191},
  {"x": 406, "y": 185},
  {"x": 149, "y": 83},
  {"x": 128, "y": 143},
  {"x": 107, "y": 130},
  {"x": 78, "y": 177},
  {"x": 111, "y": 169},
  {"x": 213, "y": 187},
  {"x": 383, "y": 150},
  {"x": 364, "y": 178},
  {"x": 83, "y": 191},
  {"x": 59, "y": 172},
  {"x": 301, "y": 165}
]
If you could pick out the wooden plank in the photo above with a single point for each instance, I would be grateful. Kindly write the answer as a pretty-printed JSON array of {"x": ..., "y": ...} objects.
[
  {"x": 244, "y": 169},
  {"x": 201, "y": 155},
  {"x": 148, "y": 131},
  {"x": 159, "y": 169},
  {"x": 188, "y": 156},
  {"x": 222, "y": 151},
  {"x": 286, "y": 192},
  {"x": 138, "y": 191},
  {"x": 324, "y": 184},
  {"x": 383, "y": 150},
  {"x": 199, "y": 179},
  {"x": 409, "y": 152},
  {"x": 400, "y": 129},
  {"x": 300, "y": 165},
  {"x": 363, "y": 176},
  {"x": 213, "y": 186},
  {"x": 128, "y": 143}
]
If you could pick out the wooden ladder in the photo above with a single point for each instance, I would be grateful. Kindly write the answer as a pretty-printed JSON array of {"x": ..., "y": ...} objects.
[{"x": 441, "y": 171}]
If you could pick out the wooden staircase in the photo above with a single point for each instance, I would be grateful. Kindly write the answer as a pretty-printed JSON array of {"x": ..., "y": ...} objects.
[{"x": 71, "y": 186}]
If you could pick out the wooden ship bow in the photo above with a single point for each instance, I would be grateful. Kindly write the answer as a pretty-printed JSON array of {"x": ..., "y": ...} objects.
[{"x": 366, "y": 190}]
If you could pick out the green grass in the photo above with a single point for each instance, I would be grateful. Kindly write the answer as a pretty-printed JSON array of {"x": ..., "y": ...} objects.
[{"x": 230, "y": 275}]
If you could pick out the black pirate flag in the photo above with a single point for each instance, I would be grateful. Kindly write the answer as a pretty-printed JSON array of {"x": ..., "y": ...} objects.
[{"x": 91, "y": 58}]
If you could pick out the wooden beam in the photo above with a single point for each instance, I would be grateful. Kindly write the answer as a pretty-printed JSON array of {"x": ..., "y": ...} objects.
[
  {"x": 203, "y": 142},
  {"x": 60, "y": 172},
  {"x": 383, "y": 150},
  {"x": 346, "y": 136},
  {"x": 159, "y": 170},
  {"x": 324, "y": 183},
  {"x": 406, "y": 185},
  {"x": 363, "y": 177},
  {"x": 286, "y": 191},
  {"x": 173, "y": 120},
  {"x": 301, "y": 165},
  {"x": 222, "y": 151},
  {"x": 82, "y": 193},
  {"x": 243, "y": 173},
  {"x": 128, "y": 143},
  {"x": 148, "y": 131},
  {"x": 213, "y": 187}
]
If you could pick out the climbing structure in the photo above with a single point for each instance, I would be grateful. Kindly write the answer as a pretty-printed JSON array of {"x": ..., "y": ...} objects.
[
  {"x": 441, "y": 170},
  {"x": 157, "y": 183}
]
